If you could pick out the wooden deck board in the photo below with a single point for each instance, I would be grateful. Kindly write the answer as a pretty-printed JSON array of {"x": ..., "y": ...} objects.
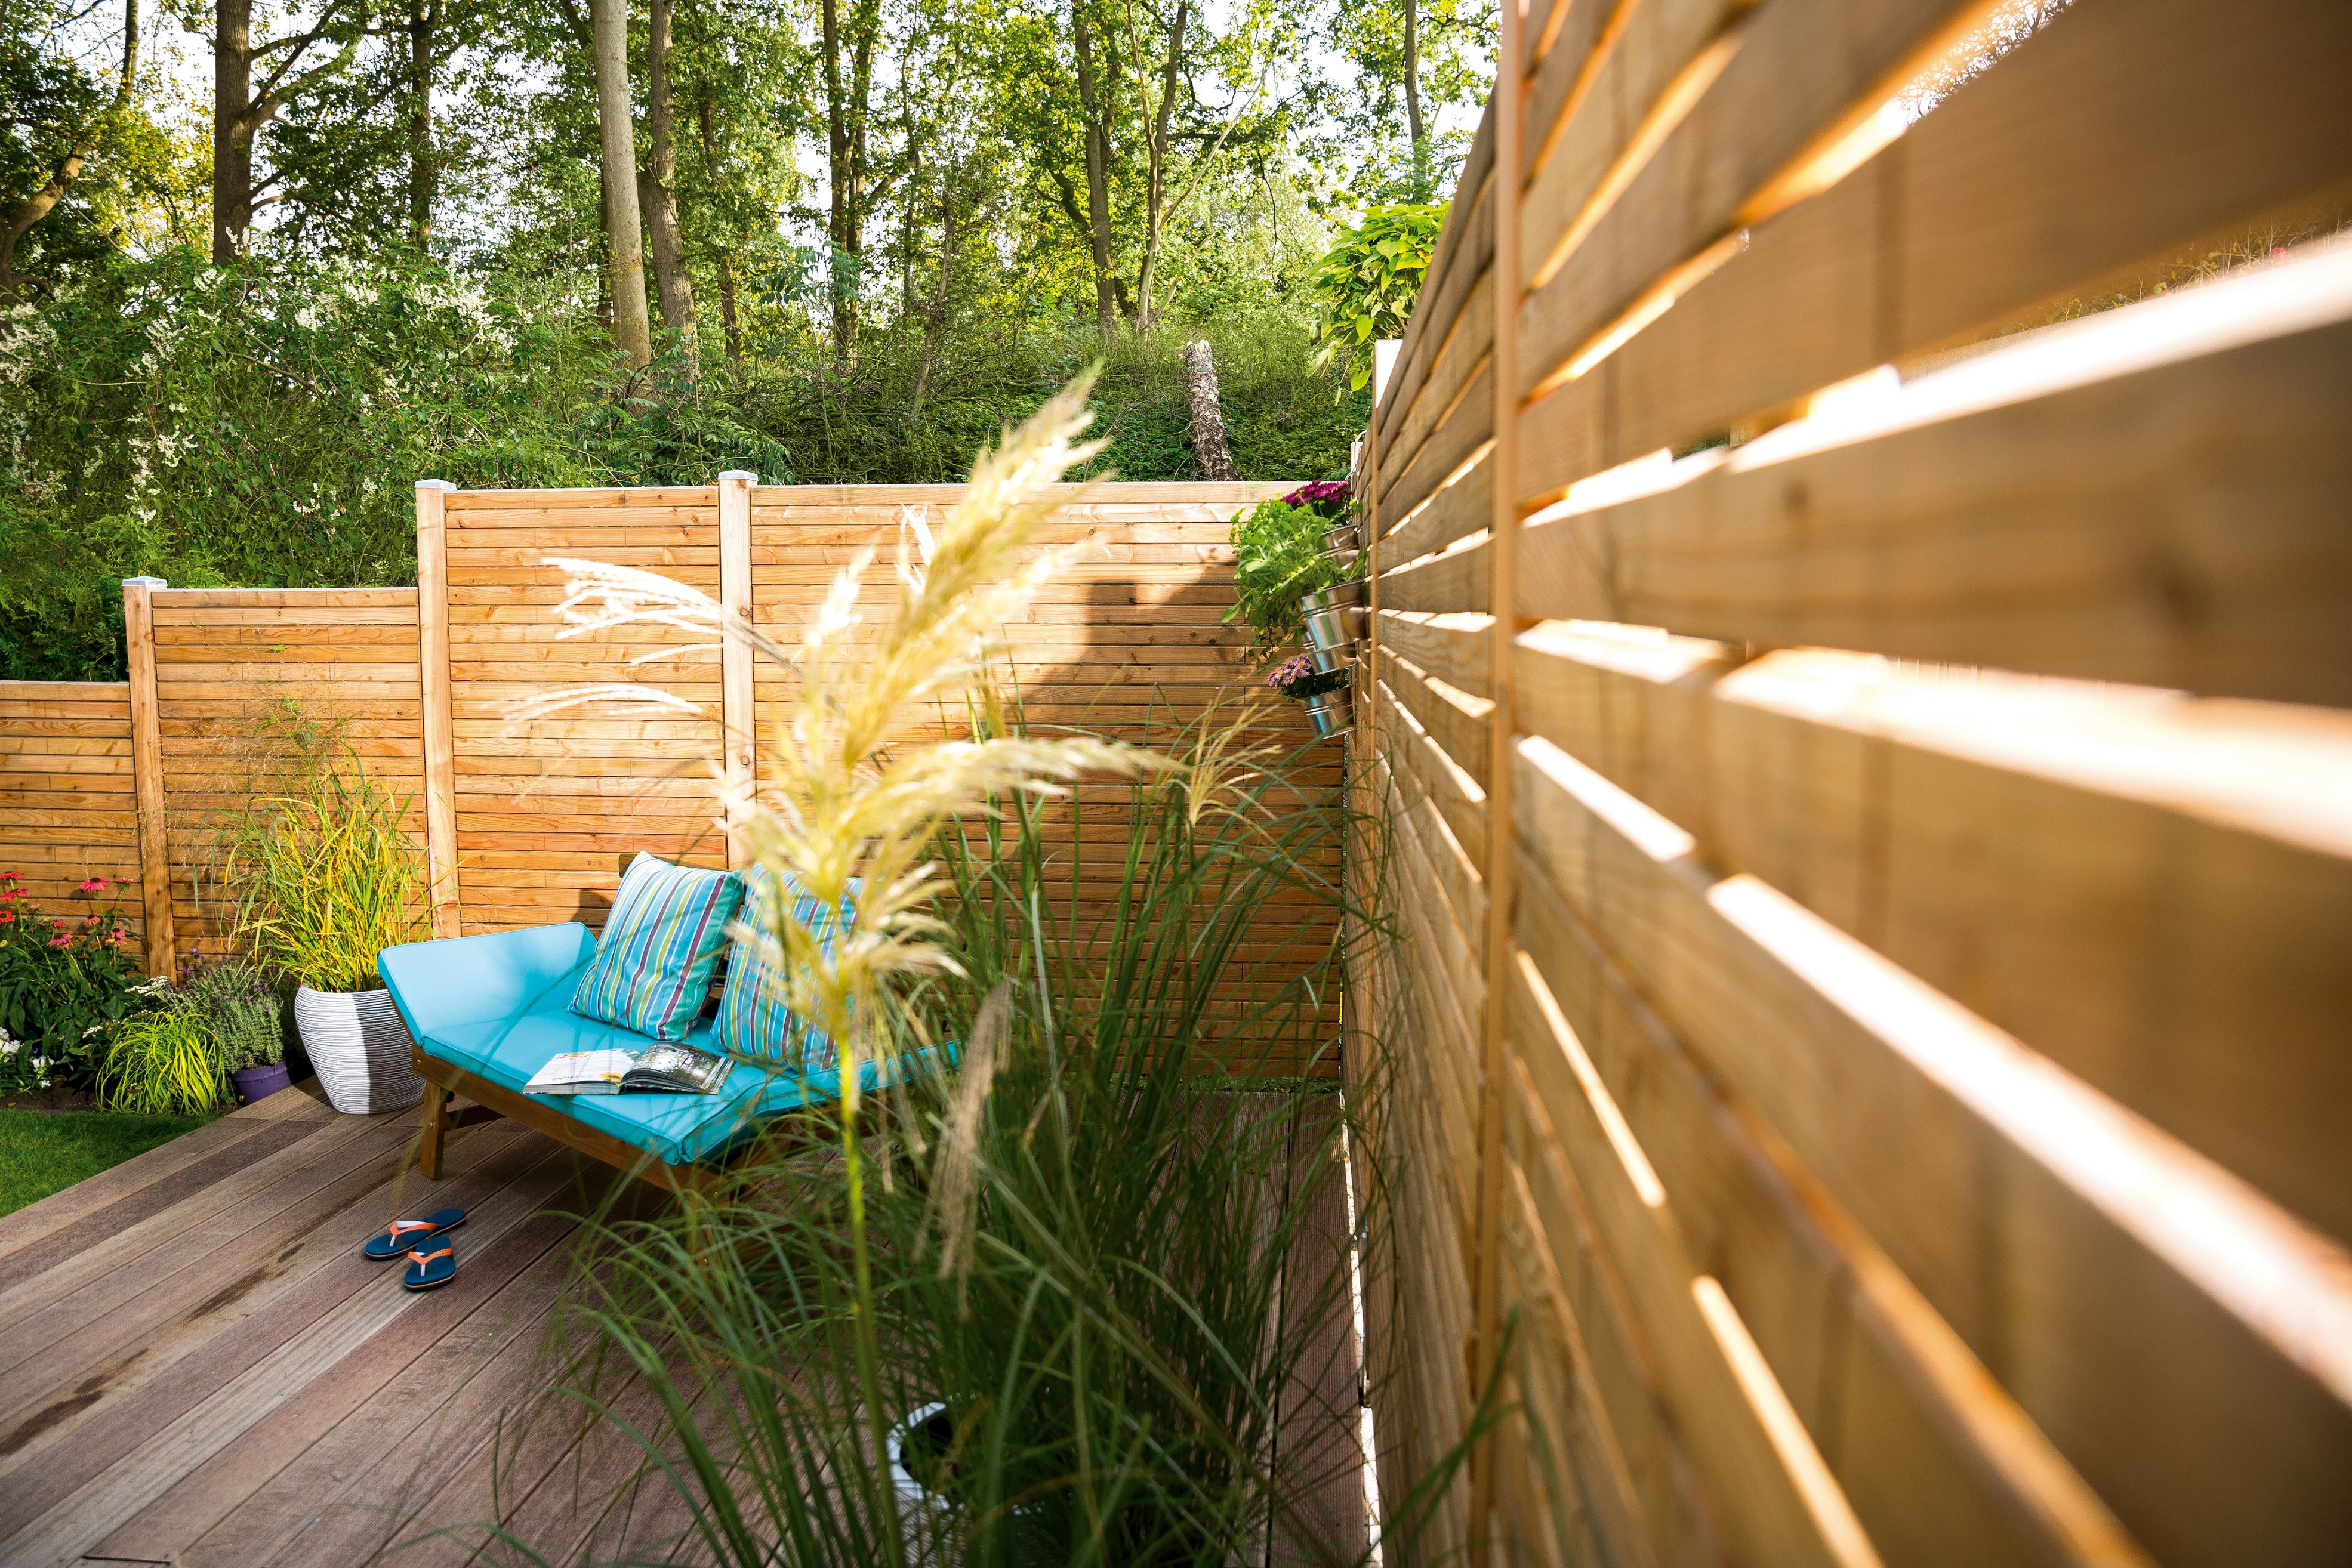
[{"x": 202, "y": 1370}]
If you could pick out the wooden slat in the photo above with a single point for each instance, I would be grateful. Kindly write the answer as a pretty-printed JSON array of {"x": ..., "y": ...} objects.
[
  {"x": 1935, "y": 1130},
  {"x": 2030, "y": 845},
  {"x": 2043, "y": 508},
  {"x": 1765, "y": 98},
  {"x": 1939, "y": 1463},
  {"x": 2122, "y": 131}
]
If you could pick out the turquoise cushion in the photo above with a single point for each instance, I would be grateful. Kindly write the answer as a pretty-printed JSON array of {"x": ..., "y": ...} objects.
[
  {"x": 677, "y": 1128},
  {"x": 659, "y": 947},
  {"x": 753, "y": 1020}
]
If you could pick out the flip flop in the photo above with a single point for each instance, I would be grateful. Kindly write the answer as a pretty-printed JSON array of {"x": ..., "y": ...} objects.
[
  {"x": 430, "y": 1270},
  {"x": 406, "y": 1233}
]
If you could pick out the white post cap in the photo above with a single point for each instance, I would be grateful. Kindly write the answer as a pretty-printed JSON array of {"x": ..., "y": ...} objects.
[
  {"x": 743, "y": 474},
  {"x": 434, "y": 484},
  {"x": 144, "y": 582}
]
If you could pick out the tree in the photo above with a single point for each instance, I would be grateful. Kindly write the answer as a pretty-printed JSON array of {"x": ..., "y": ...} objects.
[
  {"x": 426, "y": 19},
  {"x": 68, "y": 168},
  {"x": 240, "y": 109},
  {"x": 632, "y": 328},
  {"x": 670, "y": 279}
]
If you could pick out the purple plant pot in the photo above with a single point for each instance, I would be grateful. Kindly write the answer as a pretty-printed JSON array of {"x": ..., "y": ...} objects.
[{"x": 260, "y": 1082}]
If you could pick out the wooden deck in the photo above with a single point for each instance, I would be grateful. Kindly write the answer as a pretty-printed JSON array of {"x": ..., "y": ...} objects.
[{"x": 199, "y": 1368}]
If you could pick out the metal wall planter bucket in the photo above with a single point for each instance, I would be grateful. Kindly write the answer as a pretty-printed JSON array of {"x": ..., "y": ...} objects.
[
  {"x": 1334, "y": 622},
  {"x": 1330, "y": 711}
]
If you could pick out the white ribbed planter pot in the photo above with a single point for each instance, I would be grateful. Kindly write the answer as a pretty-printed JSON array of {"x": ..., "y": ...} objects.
[{"x": 358, "y": 1048}]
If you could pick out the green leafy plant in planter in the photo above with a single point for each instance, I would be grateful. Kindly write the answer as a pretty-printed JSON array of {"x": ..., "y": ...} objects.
[
  {"x": 62, "y": 983},
  {"x": 240, "y": 1006},
  {"x": 324, "y": 879},
  {"x": 1278, "y": 560},
  {"x": 163, "y": 1063}
]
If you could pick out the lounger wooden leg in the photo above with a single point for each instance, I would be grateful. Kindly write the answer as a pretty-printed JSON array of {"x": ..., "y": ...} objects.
[{"x": 436, "y": 1127}]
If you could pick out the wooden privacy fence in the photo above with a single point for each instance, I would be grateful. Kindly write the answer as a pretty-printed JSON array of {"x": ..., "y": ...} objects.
[
  {"x": 1869, "y": 795},
  {"x": 526, "y": 823}
]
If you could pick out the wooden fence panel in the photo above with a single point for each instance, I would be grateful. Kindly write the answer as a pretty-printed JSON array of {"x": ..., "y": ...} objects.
[
  {"x": 1906, "y": 1068},
  {"x": 69, "y": 811},
  {"x": 566, "y": 759},
  {"x": 232, "y": 666}
]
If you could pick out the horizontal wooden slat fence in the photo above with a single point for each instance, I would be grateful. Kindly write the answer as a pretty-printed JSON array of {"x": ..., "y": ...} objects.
[
  {"x": 1868, "y": 793},
  {"x": 527, "y": 820},
  {"x": 68, "y": 809}
]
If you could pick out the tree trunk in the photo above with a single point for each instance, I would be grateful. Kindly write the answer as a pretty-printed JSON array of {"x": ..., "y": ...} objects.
[
  {"x": 41, "y": 203},
  {"x": 935, "y": 318},
  {"x": 1412, "y": 100},
  {"x": 424, "y": 173},
  {"x": 845, "y": 103},
  {"x": 727, "y": 318},
  {"x": 233, "y": 127},
  {"x": 1095, "y": 106},
  {"x": 1208, "y": 418},
  {"x": 677, "y": 288},
  {"x": 1156, "y": 185},
  {"x": 632, "y": 325}
]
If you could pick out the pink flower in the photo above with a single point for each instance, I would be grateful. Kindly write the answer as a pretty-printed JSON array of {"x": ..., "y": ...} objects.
[
  {"x": 95, "y": 884},
  {"x": 10, "y": 875},
  {"x": 60, "y": 941}
]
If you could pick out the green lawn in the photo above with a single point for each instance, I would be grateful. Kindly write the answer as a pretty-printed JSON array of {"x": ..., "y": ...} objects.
[{"x": 41, "y": 1153}]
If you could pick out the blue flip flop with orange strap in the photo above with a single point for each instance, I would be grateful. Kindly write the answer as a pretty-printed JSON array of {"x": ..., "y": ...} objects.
[
  {"x": 430, "y": 1268},
  {"x": 405, "y": 1234}
]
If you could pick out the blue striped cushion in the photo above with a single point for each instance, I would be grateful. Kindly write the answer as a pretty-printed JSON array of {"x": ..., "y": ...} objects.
[
  {"x": 753, "y": 1020},
  {"x": 655, "y": 958}
]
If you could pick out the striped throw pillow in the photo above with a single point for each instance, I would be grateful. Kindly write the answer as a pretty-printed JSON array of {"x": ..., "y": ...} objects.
[
  {"x": 753, "y": 1020},
  {"x": 659, "y": 945}
]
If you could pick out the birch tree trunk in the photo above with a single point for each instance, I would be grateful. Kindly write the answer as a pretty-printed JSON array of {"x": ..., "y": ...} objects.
[
  {"x": 1208, "y": 430},
  {"x": 632, "y": 324}
]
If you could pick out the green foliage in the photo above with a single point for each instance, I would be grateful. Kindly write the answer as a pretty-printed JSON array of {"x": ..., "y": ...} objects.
[
  {"x": 264, "y": 424},
  {"x": 62, "y": 982},
  {"x": 42, "y": 1153},
  {"x": 1278, "y": 560},
  {"x": 1366, "y": 284},
  {"x": 163, "y": 1064},
  {"x": 237, "y": 1004},
  {"x": 326, "y": 878}
]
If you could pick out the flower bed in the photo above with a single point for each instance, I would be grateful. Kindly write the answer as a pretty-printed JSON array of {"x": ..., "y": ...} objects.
[{"x": 62, "y": 982}]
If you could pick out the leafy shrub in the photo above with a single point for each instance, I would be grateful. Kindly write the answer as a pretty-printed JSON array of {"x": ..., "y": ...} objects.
[
  {"x": 163, "y": 1064},
  {"x": 1366, "y": 284},
  {"x": 62, "y": 983}
]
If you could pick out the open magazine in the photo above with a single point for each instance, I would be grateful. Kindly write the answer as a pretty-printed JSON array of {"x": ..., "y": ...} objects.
[{"x": 668, "y": 1069}]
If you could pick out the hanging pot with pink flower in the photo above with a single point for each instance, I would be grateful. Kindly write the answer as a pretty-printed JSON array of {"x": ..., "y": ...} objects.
[{"x": 1323, "y": 692}]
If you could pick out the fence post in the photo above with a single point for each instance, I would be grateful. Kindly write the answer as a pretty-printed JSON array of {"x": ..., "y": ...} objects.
[
  {"x": 147, "y": 771},
  {"x": 1502, "y": 558},
  {"x": 736, "y": 694},
  {"x": 433, "y": 686}
]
